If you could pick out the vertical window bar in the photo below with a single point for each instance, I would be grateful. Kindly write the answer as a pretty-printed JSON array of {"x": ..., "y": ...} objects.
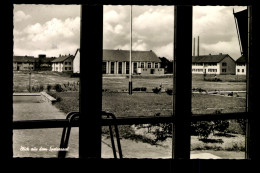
[
  {"x": 91, "y": 46},
  {"x": 182, "y": 81}
]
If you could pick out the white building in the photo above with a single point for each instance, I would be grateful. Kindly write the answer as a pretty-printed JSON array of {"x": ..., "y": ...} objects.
[
  {"x": 213, "y": 64},
  {"x": 63, "y": 64},
  {"x": 241, "y": 66},
  {"x": 143, "y": 62}
]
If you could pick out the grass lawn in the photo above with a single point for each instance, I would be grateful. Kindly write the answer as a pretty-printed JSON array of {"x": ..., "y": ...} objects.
[{"x": 143, "y": 103}]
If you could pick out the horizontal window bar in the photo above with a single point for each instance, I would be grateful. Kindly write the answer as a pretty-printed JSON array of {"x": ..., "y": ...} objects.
[{"x": 60, "y": 123}]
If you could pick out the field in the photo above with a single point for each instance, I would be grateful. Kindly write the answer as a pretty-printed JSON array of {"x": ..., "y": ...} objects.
[{"x": 115, "y": 99}]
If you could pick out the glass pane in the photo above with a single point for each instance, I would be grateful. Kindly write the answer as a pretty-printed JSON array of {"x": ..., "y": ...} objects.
[
  {"x": 216, "y": 85},
  {"x": 220, "y": 139},
  {"x": 151, "y": 87},
  {"x": 45, "y": 73}
]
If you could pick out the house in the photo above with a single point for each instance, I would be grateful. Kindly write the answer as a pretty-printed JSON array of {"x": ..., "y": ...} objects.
[
  {"x": 23, "y": 63},
  {"x": 76, "y": 62},
  {"x": 43, "y": 62},
  {"x": 241, "y": 65},
  {"x": 63, "y": 63},
  {"x": 143, "y": 62},
  {"x": 213, "y": 64}
]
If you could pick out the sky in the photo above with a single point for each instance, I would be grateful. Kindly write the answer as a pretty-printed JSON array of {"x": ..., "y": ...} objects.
[{"x": 55, "y": 29}]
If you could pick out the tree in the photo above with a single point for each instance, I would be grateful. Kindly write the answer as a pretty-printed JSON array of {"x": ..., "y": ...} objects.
[{"x": 166, "y": 64}]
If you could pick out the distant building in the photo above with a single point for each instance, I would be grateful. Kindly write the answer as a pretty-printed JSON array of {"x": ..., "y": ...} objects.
[
  {"x": 241, "y": 65},
  {"x": 43, "y": 62},
  {"x": 143, "y": 62},
  {"x": 76, "y": 62},
  {"x": 63, "y": 63},
  {"x": 23, "y": 63},
  {"x": 213, "y": 64}
]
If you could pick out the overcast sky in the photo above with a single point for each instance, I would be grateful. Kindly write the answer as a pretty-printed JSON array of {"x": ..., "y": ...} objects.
[{"x": 55, "y": 29}]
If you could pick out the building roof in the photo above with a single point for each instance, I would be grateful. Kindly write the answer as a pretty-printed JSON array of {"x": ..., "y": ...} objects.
[
  {"x": 23, "y": 59},
  {"x": 242, "y": 59},
  {"x": 123, "y": 55},
  {"x": 62, "y": 58},
  {"x": 209, "y": 58},
  {"x": 45, "y": 60}
]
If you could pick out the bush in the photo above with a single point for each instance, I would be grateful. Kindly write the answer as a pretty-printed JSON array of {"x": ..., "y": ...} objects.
[
  {"x": 242, "y": 124},
  {"x": 49, "y": 87},
  {"x": 221, "y": 125},
  {"x": 156, "y": 90},
  {"x": 203, "y": 129},
  {"x": 58, "y": 88},
  {"x": 169, "y": 91}
]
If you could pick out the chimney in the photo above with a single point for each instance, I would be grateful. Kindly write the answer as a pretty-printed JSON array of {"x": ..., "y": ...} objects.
[
  {"x": 198, "y": 46},
  {"x": 194, "y": 47}
]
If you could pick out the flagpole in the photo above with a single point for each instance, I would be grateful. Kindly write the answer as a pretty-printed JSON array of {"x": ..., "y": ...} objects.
[{"x": 130, "y": 60}]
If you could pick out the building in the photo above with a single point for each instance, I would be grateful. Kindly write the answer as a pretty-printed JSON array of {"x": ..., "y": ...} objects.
[
  {"x": 43, "y": 62},
  {"x": 143, "y": 62},
  {"x": 241, "y": 65},
  {"x": 213, "y": 64},
  {"x": 76, "y": 62},
  {"x": 63, "y": 63},
  {"x": 23, "y": 63}
]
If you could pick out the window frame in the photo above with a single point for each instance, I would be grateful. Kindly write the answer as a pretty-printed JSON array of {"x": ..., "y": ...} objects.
[{"x": 94, "y": 121}]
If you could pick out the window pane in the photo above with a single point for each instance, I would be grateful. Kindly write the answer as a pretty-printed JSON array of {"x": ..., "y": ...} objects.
[
  {"x": 45, "y": 82},
  {"x": 219, "y": 87},
  {"x": 151, "y": 88},
  {"x": 219, "y": 139}
]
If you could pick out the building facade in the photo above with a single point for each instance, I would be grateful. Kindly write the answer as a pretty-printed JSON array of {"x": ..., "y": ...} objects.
[
  {"x": 63, "y": 64},
  {"x": 143, "y": 62},
  {"x": 23, "y": 63},
  {"x": 241, "y": 65},
  {"x": 213, "y": 64}
]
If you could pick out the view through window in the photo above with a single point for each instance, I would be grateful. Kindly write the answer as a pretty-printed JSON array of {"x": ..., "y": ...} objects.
[{"x": 46, "y": 68}]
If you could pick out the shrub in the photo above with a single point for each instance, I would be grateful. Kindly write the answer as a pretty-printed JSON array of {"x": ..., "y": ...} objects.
[
  {"x": 242, "y": 124},
  {"x": 203, "y": 129},
  {"x": 49, "y": 87},
  {"x": 221, "y": 126},
  {"x": 58, "y": 88},
  {"x": 156, "y": 90},
  {"x": 41, "y": 88},
  {"x": 169, "y": 91}
]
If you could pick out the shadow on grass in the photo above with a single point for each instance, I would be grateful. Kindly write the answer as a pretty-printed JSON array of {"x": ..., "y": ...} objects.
[
  {"x": 224, "y": 135},
  {"x": 212, "y": 141}
]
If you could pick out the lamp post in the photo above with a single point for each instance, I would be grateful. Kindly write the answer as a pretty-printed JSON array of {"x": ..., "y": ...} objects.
[
  {"x": 29, "y": 76},
  {"x": 130, "y": 60}
]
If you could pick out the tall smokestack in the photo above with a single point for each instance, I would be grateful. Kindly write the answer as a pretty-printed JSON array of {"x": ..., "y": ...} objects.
[
  {"x": 194, "y": 47},
  {"x": 198, "y": 46}
]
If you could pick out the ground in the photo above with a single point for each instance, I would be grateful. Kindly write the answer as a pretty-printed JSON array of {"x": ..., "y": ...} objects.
[{"x": 148, "y": 104}]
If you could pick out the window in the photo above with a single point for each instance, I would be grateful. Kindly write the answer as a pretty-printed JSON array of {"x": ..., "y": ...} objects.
[
  {"x": 149, "y": 65},
  {"x": 127, "y": 67},
  {"x": 112, "y": 67},
  {"x": 93, "y": 79},
  {"x": 238, "y": 70},
  {"x": 243, "y": 70},
  {"x": 224, "y": 64},
  {"x": 224, "y": 70},
  {"x": 156, "y": 65},
  {"x": 119, "y": 67},
  {"x": 65, "y": 63},
  {"x": 142, "y": 65}
]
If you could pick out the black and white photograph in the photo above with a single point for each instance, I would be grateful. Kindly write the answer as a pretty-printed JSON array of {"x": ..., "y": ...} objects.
[{"x": 133, "y": 82}]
